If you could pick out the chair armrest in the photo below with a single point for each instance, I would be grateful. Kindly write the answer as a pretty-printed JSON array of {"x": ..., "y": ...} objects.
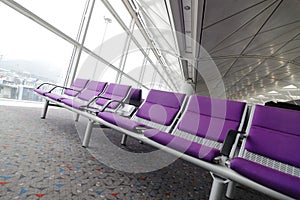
[
  {"x": 94, "y": 99},
  {"x": 89, "y": 108},
  {"x": 38, "y": 87},
  {"x": 62, "y": 87},
  {"x": 109, "y": 102},
  {"x": 229, "y": 141}
]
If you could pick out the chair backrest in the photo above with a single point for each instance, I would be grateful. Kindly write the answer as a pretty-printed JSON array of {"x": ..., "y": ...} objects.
[
  {"x": 134, "y": 97},
  {"x": 78, "y": 85},
  {"x": 93, "y": 88},
  {"x": 160, "y": 107},
  {"x": 273, "y": 133},
  {"x": 114, "y": 92},
  {"x": 211, "y": 118}
]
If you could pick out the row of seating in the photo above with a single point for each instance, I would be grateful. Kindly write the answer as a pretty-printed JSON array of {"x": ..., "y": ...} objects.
[
  {"x": 91, "y": 96},
  {"x": 256, "y": 146}
]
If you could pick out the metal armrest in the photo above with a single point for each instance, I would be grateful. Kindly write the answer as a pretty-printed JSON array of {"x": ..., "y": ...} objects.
[
  {"x": 229, "y": 141},
  {"x": 94, "y": 99},
  {"x": 96, "y": 110},
  {"x": 89, "y": 109},
  {"x": 38, "y": 87},
  {"x": 62, "y": 87},
  {"x": 109, "y": 102}
]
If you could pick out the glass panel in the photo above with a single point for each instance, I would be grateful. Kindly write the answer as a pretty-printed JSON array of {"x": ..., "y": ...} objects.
[
  {"x": 29, "y": 55},
  {"x": 128, "y": 81},
  {"x": 140, "y": 38},
  {"x": 104, "y": 33},
  {"x": 148, "y": 75},
  {"x": 122, "y": 11},
  {"x": 134, "y": 62},
  {"x": 63, "y": 14},
  {"x": 91, "y": 68}
]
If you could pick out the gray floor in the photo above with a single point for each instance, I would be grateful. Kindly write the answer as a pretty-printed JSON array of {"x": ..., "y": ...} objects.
[{"x": 44, "y": 159}]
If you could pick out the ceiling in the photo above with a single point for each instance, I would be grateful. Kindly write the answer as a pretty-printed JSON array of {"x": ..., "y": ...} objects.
[{"x": 236, "y": 49}]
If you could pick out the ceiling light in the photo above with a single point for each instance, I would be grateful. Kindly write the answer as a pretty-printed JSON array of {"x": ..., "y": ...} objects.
[
  {"x": 261, "y": 96},
  {"x": 290, "y": 87},
  {"x": 273, "y": 92}
]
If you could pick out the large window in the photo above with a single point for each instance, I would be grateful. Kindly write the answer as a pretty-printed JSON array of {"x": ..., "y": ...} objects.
[
  {"x": 63, "y": 14},
  {"x": 29, "y": 55}
]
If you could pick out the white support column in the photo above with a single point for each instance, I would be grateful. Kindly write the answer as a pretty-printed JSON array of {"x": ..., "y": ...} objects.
[
  {"x": 230, "y": 190},
  {"x": 124, "y": 139},
  {"x": 77, "y": 117},
  {"x": 88, "y": 133},
  {"x": 45, "y": 109},
  {"x": 217, "y": 188}
]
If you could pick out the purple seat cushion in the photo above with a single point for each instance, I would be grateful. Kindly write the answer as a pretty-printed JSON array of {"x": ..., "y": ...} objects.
[
  {"x": 180, "y": 144},
  {"x": 113, "y": 105},
  {"x": 279, "y": 181},
  {"x": 115, "y": 92},
  {"x": 117, "y": 89},
  {"x": 72, "y": 92},
  {"x": 207, "y": 126},
  {"x": 94, "y": 88},
  {"x": 79, "y": 83},
  {"x": 217, "y": 108},
  {"x": 72, "y": 103},
  {"x": 39, "y": 91},
  {"x": 120, "y": 121},
  {"x": 77, "y": 86},
  {"x": 161, "y": 106},
  {"x": 157, "y": 113},
  {"x": 169, "y": 99},
  {"x": 275, "y": 133},
  {"x": 53, "y": 96}
]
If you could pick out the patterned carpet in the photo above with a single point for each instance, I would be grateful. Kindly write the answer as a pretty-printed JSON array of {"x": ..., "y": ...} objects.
[{"x": 43, "y": 159}]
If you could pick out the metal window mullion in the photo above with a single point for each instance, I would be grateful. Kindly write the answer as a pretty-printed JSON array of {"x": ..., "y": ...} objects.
[
  {"x": 91, "y": 53},
  {"x": 157, "y": 53},
  {"x": 142, "y": 74},
  {"x": 79, "y": 49},
  {"x": 125, "y": 53},
  {"x": 75, "y": 47}
]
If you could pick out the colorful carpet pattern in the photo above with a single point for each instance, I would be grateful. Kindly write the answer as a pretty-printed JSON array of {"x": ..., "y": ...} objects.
[{"x": 43, "y": 159}]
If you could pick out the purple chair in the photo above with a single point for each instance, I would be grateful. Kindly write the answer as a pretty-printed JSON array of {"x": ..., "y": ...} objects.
[
  {"x": 269, "y": 155},
  {"x": 131, "y": 104},
  {"x": 201, "y": 132},
  {"x": 203, "y": 127},
  {"x": 93, "y": 89},
  {"x": 110, "y": 100},
  {"x": 76, "y": 87},
  {"x": 159, "y": 111}
]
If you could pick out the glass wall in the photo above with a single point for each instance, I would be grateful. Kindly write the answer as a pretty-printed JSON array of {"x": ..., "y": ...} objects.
[
  {"x": 29, "y": 55},
  {"x": 114, "y": 50}
]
